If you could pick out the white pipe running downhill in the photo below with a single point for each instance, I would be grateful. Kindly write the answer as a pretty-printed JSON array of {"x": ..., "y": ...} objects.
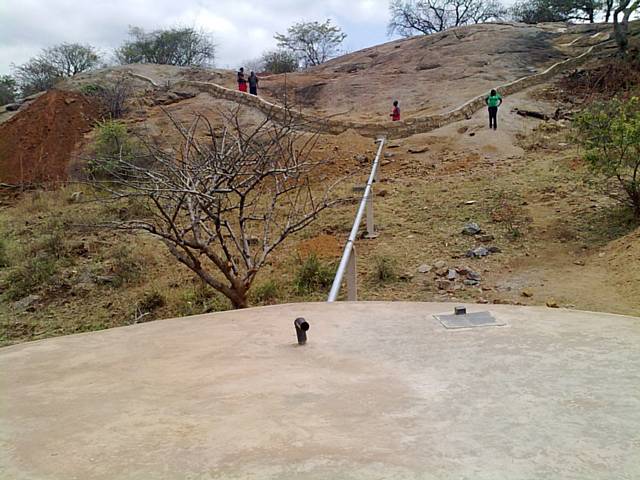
[{"x": 348, "y": 249}]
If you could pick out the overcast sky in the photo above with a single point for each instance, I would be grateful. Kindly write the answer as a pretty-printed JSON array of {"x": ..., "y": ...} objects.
[{"x": 242, "y": 29}]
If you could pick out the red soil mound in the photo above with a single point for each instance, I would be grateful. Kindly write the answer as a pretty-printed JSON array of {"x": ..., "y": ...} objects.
[{"x": 36, "y": 145}]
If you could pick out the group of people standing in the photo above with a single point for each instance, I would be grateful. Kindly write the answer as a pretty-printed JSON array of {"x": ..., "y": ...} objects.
[{"x": 252, "y": 81}]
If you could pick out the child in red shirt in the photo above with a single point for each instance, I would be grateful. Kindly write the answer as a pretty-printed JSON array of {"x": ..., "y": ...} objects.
[{"x": 395, "y": 114}]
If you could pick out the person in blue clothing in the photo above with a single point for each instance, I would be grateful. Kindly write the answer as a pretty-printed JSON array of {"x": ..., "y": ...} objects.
[{"x": 493, "y": 101}]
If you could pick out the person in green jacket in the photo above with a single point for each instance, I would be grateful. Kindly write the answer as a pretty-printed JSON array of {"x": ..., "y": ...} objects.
[{"x": 494, "y": 100}]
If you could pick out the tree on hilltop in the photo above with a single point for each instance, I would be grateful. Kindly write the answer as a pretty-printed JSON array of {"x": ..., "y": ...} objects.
[
  {"x": 174, "y": 46},
  {"x": 279, "y": 61},
  {"x": 539, "y": 11},
  {"x": 312, "y": 43},
  {"x": 54, "y": 63},
  {"x": 411, "y": 17},
  {"x": 71, "y": 58}
]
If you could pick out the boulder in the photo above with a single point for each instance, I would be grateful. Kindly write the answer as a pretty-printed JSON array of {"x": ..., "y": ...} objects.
[
  {"x": 471, "y": 275},
  {"x": 418, "y": 150},
  {"x": 471, "y": 228},
  {"x": 424, "y": 268},
  {"x": 27, "y": 303},
  {"x": 552, "y": 303},
  {"x": 441, "y": 272},
  {"x": 478, "y": 252}
]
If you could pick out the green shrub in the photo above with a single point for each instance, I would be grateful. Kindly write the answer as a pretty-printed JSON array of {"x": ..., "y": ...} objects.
[
  {"x": 4, "y": 253},
  {"x": 609, "y": 132},
  {"x": 266, "y": 292},
  {"x": 151, "y": 301},
  {"x": 112, "y": 142},
  {"x": 51, "y": 245},
  {"x": 126, "y": 267},
  {"x": 91, "y": 89},
  {"x": 200, "y": 299},
  {"x": 30, "y": 276},
  {"x": 384, "y": 270},
  {"x": 314, "y": 275}
]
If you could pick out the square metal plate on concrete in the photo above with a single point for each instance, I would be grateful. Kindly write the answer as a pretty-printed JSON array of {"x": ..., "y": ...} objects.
[{"x": 469, "y": 320}]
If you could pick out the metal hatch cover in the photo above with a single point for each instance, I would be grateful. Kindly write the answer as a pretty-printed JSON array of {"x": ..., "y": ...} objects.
[{"x": 469, "y": 320}]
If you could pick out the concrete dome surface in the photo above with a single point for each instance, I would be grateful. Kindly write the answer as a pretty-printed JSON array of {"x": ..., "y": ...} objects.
[{"x": 381, "y": 390}]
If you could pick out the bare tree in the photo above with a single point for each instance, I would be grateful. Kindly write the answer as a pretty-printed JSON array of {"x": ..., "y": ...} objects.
[
  {"x": 312, "y": 43},
  {"x": 113, "y": 96},
  {"x": 409, "y": 17},
  {"x": 621, "y": 16},
  {"x": 222, "y": 205},
  {"x": 35, "y": 76}
]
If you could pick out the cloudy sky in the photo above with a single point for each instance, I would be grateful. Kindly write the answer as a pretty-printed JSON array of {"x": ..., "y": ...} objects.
[{"x": 242, "y": 29}]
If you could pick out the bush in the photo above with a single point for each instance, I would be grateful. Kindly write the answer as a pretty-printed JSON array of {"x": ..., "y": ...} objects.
[
  {"x": 90, "y": 89},
  {"x": 52, "y": 245},
  {"x": 112, "y": 96},
  {"x": 30, "y": 276},
  {"x": 385, "y": 270},
  {"x": 126, "y": 267},
  {"x": 151, "y": 301},
  {"x": 4, "y": 253},
  {"x": 507, "y": 210},
  {"x": 200, "y": 299},
  {"x": 266, "y": 292},
  {"x": 314, "y": 275},
  {"x": 609, "y": 132},
  {"x": 112, "y": 142}
]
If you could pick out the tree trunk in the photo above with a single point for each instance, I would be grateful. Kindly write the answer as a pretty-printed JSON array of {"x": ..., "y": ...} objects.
[
  {"x": 239, "y": 301},
  {"x": 621, "y": 34},
  {"x": 621, "y": 26}
]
